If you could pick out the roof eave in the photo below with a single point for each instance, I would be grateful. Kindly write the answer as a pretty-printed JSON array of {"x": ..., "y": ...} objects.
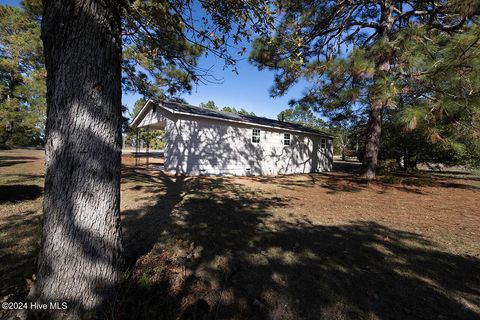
[
  {"x": 245, "y": 122},
  {"x": 141, "y": 114}
]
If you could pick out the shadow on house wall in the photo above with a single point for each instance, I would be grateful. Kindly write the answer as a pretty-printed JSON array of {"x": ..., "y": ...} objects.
[{"x": 211, "y": 147}]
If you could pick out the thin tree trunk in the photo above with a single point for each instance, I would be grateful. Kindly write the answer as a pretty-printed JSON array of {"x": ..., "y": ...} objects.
[{"x": 81, "y": 257}]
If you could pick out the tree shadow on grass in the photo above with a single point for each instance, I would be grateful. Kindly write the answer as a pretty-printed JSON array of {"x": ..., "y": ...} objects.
[
  {"x": 216, "y": 250},
  {"x": 346, "y": 178},
  {"x": 7, "y": 161},
  {"x": 22, "y": 178},
  {"x": 353, "y": 167},
  {"x": 422, "y": 179},
  {"x": 18, "y": 248},
  {"x": 340, "y": 182},
  {"x": 19, "y": 192}
]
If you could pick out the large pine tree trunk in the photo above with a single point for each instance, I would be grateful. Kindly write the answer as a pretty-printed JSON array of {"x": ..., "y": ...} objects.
[
  {"x": 81, "y": 256},
  {"x": 377, "y": 105},
  {"x": 372, "y": 145}
]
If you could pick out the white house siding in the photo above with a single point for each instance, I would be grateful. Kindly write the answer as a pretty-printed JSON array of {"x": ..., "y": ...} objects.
[
  {"x": 205, "y": 146},
  {"x": 155, "y": 119}
]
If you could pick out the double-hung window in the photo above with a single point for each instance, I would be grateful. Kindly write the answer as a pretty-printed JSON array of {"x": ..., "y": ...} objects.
[
  {"x": 323, "y": 143},
  {"x": 286, "y": 139},
  {"x": 256, "y": 135}
]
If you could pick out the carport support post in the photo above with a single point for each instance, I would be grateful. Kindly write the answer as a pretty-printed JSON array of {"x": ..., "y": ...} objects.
[
  {"x": 148, "y": 144},
  {"x": 136, "y": 149}
]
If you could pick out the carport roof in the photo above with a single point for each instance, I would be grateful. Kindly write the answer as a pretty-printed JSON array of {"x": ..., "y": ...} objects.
[{"x": 182, "y": 108}]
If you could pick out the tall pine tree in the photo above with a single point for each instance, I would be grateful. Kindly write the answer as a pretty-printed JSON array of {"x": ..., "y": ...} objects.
[
  {"x": 440, "y": 94},
  {"x": 315, "y": 40}
]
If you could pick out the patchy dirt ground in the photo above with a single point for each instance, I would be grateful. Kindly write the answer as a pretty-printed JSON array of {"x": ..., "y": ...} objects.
[{"x": 313, "y": 246}]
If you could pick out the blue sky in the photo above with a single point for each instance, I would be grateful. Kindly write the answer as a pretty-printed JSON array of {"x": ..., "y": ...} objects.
[{"x": 249, "y": 89}]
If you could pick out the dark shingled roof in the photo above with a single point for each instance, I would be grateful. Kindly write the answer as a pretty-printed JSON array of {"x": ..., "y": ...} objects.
[{"x": 222, "y": 115}]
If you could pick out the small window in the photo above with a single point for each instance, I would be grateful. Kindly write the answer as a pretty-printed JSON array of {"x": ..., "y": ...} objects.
[
  {"x": 255, "y": 135},
  {"x": 286, "y": 139},
  {"x": 323, "y": 143}
]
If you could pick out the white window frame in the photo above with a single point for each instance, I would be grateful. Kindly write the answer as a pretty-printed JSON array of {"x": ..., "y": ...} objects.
[
  {"x": 255, "y": 137},
  {"x": 323, "y": 144},
  {"x": 285, "y": 139}
]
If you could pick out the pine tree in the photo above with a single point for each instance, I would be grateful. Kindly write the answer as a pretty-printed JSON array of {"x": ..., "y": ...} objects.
[
  {"x": 212, "y": 106},
  {"x": 302, "y": 115},
  {"x": 347, "y": 49},
  {"x": 208, "y": 105},
  {"x": 242, "y": 111},
  {"x": 22, "y": 71},
  {"x": 239, "y": 111},
  {"x": 440, "y": 96},
  {"x": 22, "y": 78}
]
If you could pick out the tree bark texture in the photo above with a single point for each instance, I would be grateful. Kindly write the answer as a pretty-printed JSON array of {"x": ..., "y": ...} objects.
[
  {"x": 377, "y": 106},
  {"x": 81, "y": 257},
  {"x": 372, "y": 145}
]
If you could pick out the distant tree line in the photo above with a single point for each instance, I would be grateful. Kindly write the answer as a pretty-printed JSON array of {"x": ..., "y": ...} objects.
[{"x": 211, "y": 105}]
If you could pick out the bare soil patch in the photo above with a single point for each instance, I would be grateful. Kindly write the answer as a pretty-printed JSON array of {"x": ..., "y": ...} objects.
[{"x": 313, "y": 246}]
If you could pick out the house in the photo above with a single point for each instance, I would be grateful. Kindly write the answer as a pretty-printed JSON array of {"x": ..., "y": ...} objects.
[{"x": 203, "y": 141}]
